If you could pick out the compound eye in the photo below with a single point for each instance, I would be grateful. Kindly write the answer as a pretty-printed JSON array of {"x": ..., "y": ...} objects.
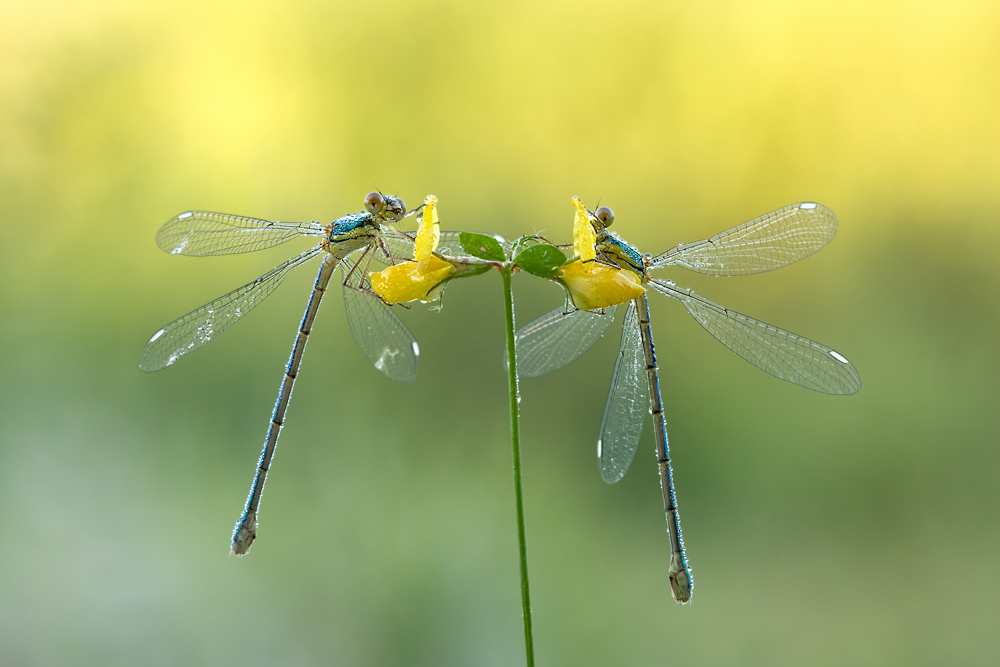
[
  {"x": 374, "y": 202},
  {"x": 605, "y": 215}
]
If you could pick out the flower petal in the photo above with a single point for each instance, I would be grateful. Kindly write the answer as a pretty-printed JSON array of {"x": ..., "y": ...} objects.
[
  {"x": 409, "y": 282},
  {"x": 583, "y": 233},
  {"x": 429, "y": 233},
  {"x": 593, "y": 286}
]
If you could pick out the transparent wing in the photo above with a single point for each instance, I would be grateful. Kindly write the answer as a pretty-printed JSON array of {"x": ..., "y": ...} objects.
[
  {"x": 627, "y": 406},
  {"x": 773, "y": 350},
  {"x": 199, "y": 327},
  {"x": 200, "y": 233},
  {"x": 555, "y": 339},
  {"x": 400, "y": 244},
  {"x": 763, "y": 244},
  {"x": 379, "y": 333}
]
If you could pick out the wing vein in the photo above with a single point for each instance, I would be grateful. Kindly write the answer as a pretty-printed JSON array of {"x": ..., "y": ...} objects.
[
  {"x": 201, "y": 326},
  {"x": 781, "y": 353},
  {"x": 766, "y": 243}
]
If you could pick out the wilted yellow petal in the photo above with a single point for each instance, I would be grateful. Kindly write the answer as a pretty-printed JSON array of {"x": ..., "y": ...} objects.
[
  {"x": 408, "y": 282},
  {"x": 428, "y": 233},
  {"x": 593, "y": 286},
  {"x": 583, "y": 233}
]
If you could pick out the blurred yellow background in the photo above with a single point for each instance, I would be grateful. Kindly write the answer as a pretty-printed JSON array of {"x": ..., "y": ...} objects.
[{"x": 822, "y": 530}]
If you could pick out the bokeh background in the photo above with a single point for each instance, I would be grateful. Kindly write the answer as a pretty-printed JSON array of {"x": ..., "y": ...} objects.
[{"x": 823, "y": 530}]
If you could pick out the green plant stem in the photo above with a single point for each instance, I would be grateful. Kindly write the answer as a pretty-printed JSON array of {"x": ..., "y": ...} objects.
[{"x": 515, "y": 445}]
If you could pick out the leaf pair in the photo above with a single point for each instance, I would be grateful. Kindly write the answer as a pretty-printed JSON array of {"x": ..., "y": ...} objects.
[{"x": 541, "y": 259}]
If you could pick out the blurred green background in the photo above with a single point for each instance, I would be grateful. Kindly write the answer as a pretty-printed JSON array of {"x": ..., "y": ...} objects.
[{"x": 822, "y": 530}]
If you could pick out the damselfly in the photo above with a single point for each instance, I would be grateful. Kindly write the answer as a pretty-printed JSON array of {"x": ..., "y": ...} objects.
[
  {"x": 355, "y": 242},
  {"x": 762, "y": 244}
]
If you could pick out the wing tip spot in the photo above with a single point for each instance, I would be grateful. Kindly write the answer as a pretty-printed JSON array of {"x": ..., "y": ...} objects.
[
  {"x": 808, "y": 205},
  {"x": 839, "y": 357},
  {"x": 416, "y": 348},
  {"x": 182, "y": 216}
]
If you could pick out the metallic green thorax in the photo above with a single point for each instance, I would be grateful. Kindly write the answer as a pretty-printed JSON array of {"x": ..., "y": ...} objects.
[
  {"x": 621, "y": 252},
  {"x": 358, "y": 230}
]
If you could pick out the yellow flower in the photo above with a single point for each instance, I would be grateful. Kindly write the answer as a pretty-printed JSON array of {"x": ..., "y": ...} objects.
[
  {"x": 411, "y": 281},
  {"x": 593, "y": 286},
  {"x": 583, "y": 233}
]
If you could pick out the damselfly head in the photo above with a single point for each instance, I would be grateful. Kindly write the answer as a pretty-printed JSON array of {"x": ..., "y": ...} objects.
[
  {"x": 394, "y": 209},
  {"x": 384, "y": 206},
  {"x": 605, "y": 216}
]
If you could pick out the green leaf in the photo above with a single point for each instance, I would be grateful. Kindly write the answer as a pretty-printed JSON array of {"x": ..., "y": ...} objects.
[
  {"x": 541, "y": 260},
  {"x": 482, "y": 246}
]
